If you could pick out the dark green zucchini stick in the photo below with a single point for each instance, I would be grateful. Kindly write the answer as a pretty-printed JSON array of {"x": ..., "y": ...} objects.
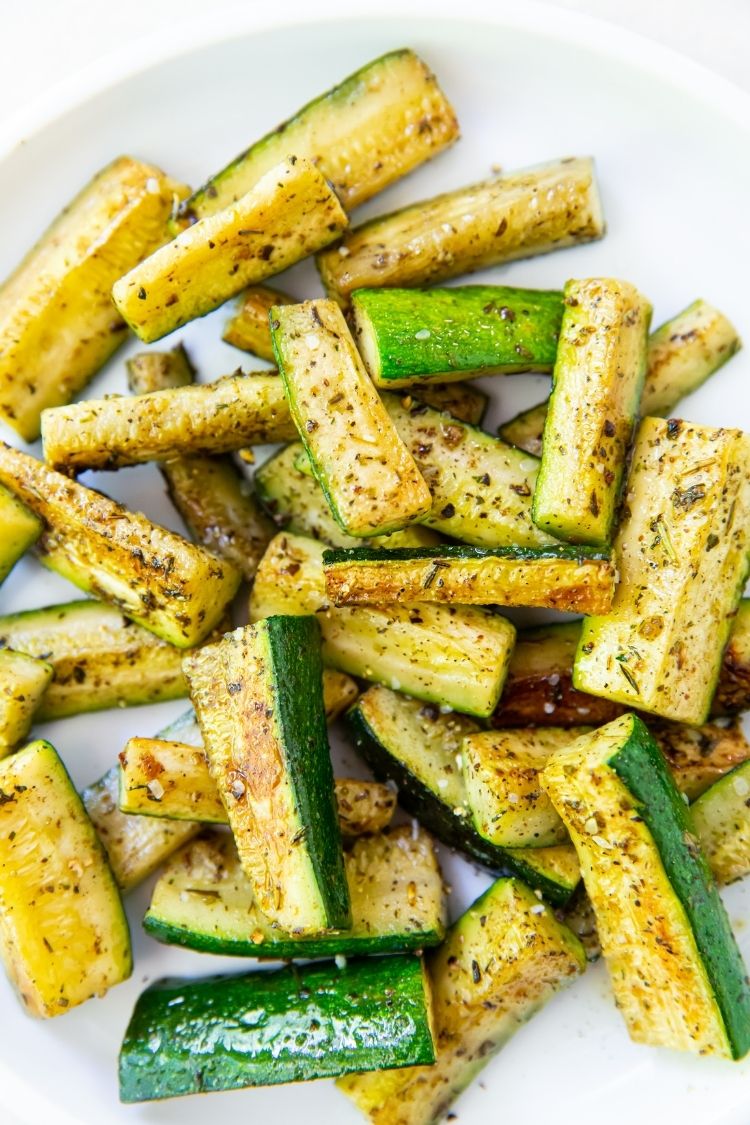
[
  {"x": 248, "y": 327},
  {"x": 259, "y": 700},
  {"x": 288, "y": 1025},
  {"x": 571, "y": 579},
  {"x": 289, "y": 213},
  {"x": 369, "y": 130},
  {"x": 677, "y": 974},
  {"x": 412, "y": 337},
  {"x": 19, "y": 530},
  {"x": 212, "y": 496},
  {"x": 174, "y": 589},
  {"x": 500, "y": 963},
  {"x": 204, "y": 901},
  {"x": 596, "y": 389},
  {"x": 530, "y": 212}
]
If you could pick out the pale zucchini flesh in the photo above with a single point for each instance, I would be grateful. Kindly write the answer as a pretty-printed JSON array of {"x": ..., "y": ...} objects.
[
  {"x": 57, "y": 323},
  {"x": 733, "y": 690},
  {"x": 207, "y": 418},
  {"x": 682, "y": 555},
  {"x": 461, "y": 400},
  {"x": 159, "y": 371},
  {"x": 596, "y": 389},
  {"x": 677, "y": 974},
  {"x": 289, "y": 213},
  {"x": 275, "y": 776},
  {"x": 63, "y": 933},
  {"x": 500, "y": 963},
  {"x": 248, "y": 327},
  {"x": 573, "y": 579},
  {"x": 526, "y": 430},
  {"x": 369, "y": 130},
  {"x": 23, "y": 682},
  {"x": 204, "y": 901},
  {"x": 174, "y": 589},
  {"x": 368, "y": 476},
  {"x": 19, "y": 530},
  {"x": 452, "y": 656},
  {"x": 525, "y": 213},
  {"x": 721, "y": 817}
]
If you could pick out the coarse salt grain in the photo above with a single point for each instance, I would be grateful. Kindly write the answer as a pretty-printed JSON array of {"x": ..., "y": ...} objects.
[
  {"x": 591, "y": 825},
  {"x": 312, "y": 341},
  {"x": 549, "y": 708},
  {"x": 423, "y": 334},
  {"x": 156, "y": 789},
  {"x": 740, "y": 786}
]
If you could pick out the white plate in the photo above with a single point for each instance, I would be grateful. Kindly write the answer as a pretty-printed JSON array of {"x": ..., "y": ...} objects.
[{"x": 671, "y": 143}]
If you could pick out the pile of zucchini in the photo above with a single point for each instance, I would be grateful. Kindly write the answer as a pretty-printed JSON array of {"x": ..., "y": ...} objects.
[{"x": 593, "y": 765}]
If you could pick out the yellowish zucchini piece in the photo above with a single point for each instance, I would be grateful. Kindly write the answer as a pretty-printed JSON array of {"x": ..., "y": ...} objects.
[
  {"x": 369, "y": 130},
  {"x": 596, "y": 390},
  {"x": 529, "y": 212},
  {"x": 248, "y": 327},
  {"x": 721, "y": 817},
  {"x": 108, "y": 433},
  {"x": 57, "y": 324},
  {"x": 368, "y": 476},
  {"x": 174, "y": 589},
  {"x": 158, "y": 371},
  {"x": 19, "y": 530},
  {"x": 63, "y": 932},
  {"x": 288, "y": 213},
  {"x": 501, "y": 770},
  {"x": 526, "y": 430},
  {"x": 676, "y": 971},
  {"x": 452, "y": 656},
  {"x": 733, "y": 690},
  {"x": 500, "y": 963},
  {"x": 682, "y": 555},
  {"x": 683, "y": 353},
  {"x": 565, "y": 578},
  {"x": 23, "y": 682}
]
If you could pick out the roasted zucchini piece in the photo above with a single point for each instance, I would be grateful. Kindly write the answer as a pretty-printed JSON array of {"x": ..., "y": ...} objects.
[
  {"x": 526, "y": 430},
  {"x": 411, "y": 337},
  {"x": 174, "y": 589},
  {"x": 290, "y": 212},
  {"x": 64, "y": 935},
  {"x": 682, "y": 555},
  {"x": 57, "y": 324},
  {"x": 287, "y": 1025},
  {"x": 453, "y": 656},
  {"x": 23, "y": 682},
  {"x": 698, "y": 756},
  {"x": 596, "y": 389},
  {"x": 368, "y": 476},
  {"x": 501, "y": 962},
  {"x": 420, "y": 749},
  {"x": 721, "y": 817},
  {"x": 369, "y": 130},
  {"x": 501, "y": 772},
  {"x": 159, "y": 371},
  {"x": 275, "y": 776},
  {"x": 99, "y": 659},
  {"x": 733, "y": 689},
  {"x": 530, "y": 212},
  {"x": 19, "y": 530},
  {"x": 461, "y": 400},
  {"x": 676, "y": 971},
  {"x": 108, "y": 433},
  {"x": 575, "y": 579},
  {"x": 294, "y": 500},
  {"x": 248, "y": 327},
  {"x": 204, "y": 901}
]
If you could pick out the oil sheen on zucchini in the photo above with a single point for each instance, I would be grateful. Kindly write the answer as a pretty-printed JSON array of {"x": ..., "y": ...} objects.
[
  {"x": 369, "y": 130},
  {"x": 676, "y": 971},
  {"x": 57, "y": 323},
  {"x": 63, "y": 936},
  {"x": 20, "y": 530},
  {"x": 574, "y": 579},
  {"x": 274, "y": 775},
  {"x": 289, "y": 213},
  {"x": 596, "y": 389},
  {"x": 721, "y": 817},
  {"x": 420, "y": 749},
  {"x": 287, "y": 1025},
  {"x": 369, "y": 478},
  {"x": 682, "y": 555},
  {"x": 174, "y": 589},
  {"x": 500, "y": 963},
  {"x": 452, "y": 656},
  {"x": 409, "y": 337},
  {"x": 203, "y": 900},
  {"x": 23, "y": 682},
  {"x": 525, "y": 213}
]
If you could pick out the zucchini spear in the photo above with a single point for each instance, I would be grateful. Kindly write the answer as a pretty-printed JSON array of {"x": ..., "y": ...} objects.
[
  {"x": 530, "y": 212},
  {"x": 20, "y": 529},
  {"x": 367, "y": 474},
  {"x": 57, "y": 324},
  {"x": 288, "y": 213},
  {"x": 174, "y": 589},
  {"x": 721, "y": 817},
  {"x": 248, "y": 327},
  {"x": 369, "y": 130},
  {"x": 23, "y": 682}
]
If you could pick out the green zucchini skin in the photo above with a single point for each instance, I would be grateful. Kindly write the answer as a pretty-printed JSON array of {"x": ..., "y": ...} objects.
[
  {"x": 20, "y": 530},
  {"x": 453, "y": 826},
  {"x": 289, "y": 1025},
  {"x": 408, "y": 337}
]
